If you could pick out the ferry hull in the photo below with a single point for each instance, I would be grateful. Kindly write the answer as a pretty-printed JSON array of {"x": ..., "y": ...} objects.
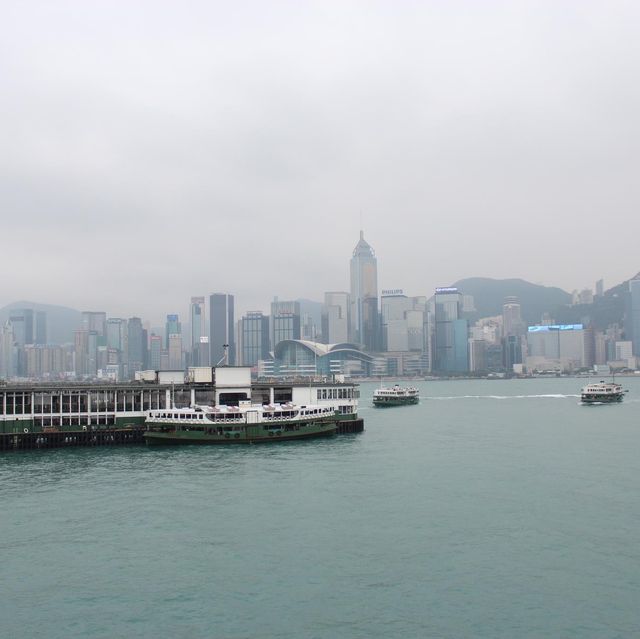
[
  {"x": 610, "y": 399},
  {"x": 172, "y": 438},
  {"x": 394, "y": 402}
]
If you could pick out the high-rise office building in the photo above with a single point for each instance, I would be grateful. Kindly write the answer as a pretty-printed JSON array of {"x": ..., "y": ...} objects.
[
  {"x": 253, "y": 336},
  {"x": 512, "y": 323},
  {"x": 364, "y": 295},
  {"x": 8, "y": 354},
  {"x": 336, "y": 317},
  {"x": 136, "y": 346},
  {"x": 94, "y": 321},
  {"x": 116, "y": 332},
  {"x": 41, "y": 328},
  {"x": 155, "y": 352},
  {"x": 172, "y": 327},
  {"x": 632, "y": 324},
  {"x": 176, "y": 362},
  {"x": 285, "y": 321},
  {"x": 86, "y": 352},
  {"x": 451, "y": 332},
  {"x": 221, "y": 329},
  {"x": 198, "y": 331}
]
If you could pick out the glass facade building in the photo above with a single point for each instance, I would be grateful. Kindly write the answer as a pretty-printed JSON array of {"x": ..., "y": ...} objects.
[
  {"x": 221, "y": 326},
  {"x": 254, "y": 338},
  {"x": 633, "y": 316},
  {"x": 364, "y": 296},
  {"x": 451, "y": 332}
]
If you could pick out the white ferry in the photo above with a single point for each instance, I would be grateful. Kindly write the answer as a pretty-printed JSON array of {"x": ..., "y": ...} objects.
[
  {"x": 602, "y": 393},
  {"x": 395, "y": 396}
]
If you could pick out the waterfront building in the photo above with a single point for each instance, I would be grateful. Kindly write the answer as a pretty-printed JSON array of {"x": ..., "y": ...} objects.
[
  {"x": 295, "y": 358},
  {"x": 364, "y": 296},
  {"x": 198, "y": 330},
  {"x": 335, "y": 317},
  {"x": 477, "y": 355},
  {"x": 451, "y": 332},
  {"x": 221, "y": 329},
  {"x": 511, "y": 351},
  {"x": 563, "y": 347},
  {"x": 253, "y": 337},
  {"x": 512, "y": 323},
  {"x": 600, "y": 348}
]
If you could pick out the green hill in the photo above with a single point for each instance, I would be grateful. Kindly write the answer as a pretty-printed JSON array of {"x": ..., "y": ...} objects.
[{"x": 534, "y": 299}]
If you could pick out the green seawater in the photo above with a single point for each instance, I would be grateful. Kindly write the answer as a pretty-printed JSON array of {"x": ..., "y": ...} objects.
[{"x": 491, "y": 509}]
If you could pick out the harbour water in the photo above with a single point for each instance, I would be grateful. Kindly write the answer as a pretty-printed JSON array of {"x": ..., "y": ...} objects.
[{"x": 491, "y": 509}]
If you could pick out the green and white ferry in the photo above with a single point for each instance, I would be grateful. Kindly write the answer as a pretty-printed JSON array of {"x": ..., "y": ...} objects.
[
  {"x": 243, "y": 424},
  {"x": 395, "y": 396}
]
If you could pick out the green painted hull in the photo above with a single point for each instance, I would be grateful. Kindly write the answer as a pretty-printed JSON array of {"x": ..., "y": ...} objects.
[
  {"x": 251, "y": 434},
  {"x": 395, "y": 402}
]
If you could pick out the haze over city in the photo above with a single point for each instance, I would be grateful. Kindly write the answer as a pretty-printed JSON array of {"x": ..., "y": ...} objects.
[{"x": 155, "y": 151}]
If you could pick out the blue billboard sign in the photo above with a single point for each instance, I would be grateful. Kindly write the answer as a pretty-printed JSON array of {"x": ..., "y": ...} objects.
[{"x": 555, "y": 327}]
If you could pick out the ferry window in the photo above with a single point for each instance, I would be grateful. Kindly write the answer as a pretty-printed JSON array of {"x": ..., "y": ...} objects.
[
  {"x": 324, "y": 393},
  {"x": 319, "y": 393}
]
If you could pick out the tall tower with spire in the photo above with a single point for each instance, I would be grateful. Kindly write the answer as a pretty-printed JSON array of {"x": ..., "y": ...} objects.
[{"x": 364, "y": 295}]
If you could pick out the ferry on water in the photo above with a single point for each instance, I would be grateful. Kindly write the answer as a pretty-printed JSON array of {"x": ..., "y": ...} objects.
[
  {"x": 395, "y": 396},
  {"x": 602, "y": 393},
  {"x": 244, "y": 424}
]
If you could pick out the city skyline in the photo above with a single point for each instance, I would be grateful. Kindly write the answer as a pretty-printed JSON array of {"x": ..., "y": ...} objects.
[{"x": 220, "y": 146}]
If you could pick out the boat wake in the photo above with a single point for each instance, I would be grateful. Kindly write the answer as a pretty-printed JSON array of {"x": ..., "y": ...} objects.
[{"x": 500, "y": 397}]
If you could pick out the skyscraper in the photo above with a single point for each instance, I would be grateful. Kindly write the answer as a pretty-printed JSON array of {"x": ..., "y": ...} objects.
[
  {"x": 451, "y": 332},
  {"x": 512, "y": 323},
  {"x": 41, "y": 328},
  {"x": 175, "y": 352},
  {"x": 632, "y": 324},
  {"x": 364, "y": 295},
  {"x": 172, "y": 327},
  {"x": 136, "y": 354},
  {"x": 285, "y": 321},
  {"x": 155, "y": 352},
  {"x": 198, "y": 331},
  {"x": 221, "y": 326},
  {"x": 94, "y": 321},
  {"x": 254, "y": 338},
  {"x": 335, "y": 317}
]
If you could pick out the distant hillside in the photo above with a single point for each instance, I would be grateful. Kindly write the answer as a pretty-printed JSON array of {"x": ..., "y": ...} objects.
[
  {"x": 605, "y": 310},
  {"x": 534, "y": 299},
  {"x": 61, "y": 321}
]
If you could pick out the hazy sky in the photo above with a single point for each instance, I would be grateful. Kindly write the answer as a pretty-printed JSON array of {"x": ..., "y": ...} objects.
[{"x": 151, "y": 151}]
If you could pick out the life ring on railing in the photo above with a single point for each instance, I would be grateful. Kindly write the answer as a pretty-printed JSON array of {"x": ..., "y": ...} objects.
[
  {"x": 84, "y": 428},
  {"x": 25, "y": 430},
  {"x": 237, "y": 435},
  {"x": 226, "y": 435}
]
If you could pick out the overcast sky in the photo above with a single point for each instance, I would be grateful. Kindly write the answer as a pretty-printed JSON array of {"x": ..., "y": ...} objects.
[{"x": 151, "y": 151}]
